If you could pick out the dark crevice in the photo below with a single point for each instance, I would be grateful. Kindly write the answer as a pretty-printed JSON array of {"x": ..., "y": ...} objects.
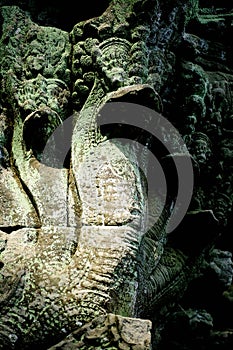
[
  {"x": 216, "y": 4},
  {"x": 1, "y": 23},
  {"x": 28, "y": 193},
  {"x": 10, "y": 229}
]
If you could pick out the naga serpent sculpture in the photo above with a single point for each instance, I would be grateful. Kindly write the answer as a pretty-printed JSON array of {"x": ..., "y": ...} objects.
[{"x": 77, "y": 268}]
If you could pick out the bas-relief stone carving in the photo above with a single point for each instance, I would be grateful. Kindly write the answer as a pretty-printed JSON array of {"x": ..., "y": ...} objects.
[{"x": 63, "y": 280}]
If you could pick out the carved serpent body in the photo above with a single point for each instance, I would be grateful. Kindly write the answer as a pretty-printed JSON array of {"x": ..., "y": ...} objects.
[{"x": 70, "y": 275}]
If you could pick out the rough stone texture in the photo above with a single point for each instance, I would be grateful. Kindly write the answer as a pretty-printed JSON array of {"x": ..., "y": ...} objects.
[
  {"x": 110, "y": 332},
  {"x": 77, "y": 269}
]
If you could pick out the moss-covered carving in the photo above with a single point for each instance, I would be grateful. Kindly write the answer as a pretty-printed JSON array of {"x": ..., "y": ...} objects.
[{"x": 77, "y": 270}]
